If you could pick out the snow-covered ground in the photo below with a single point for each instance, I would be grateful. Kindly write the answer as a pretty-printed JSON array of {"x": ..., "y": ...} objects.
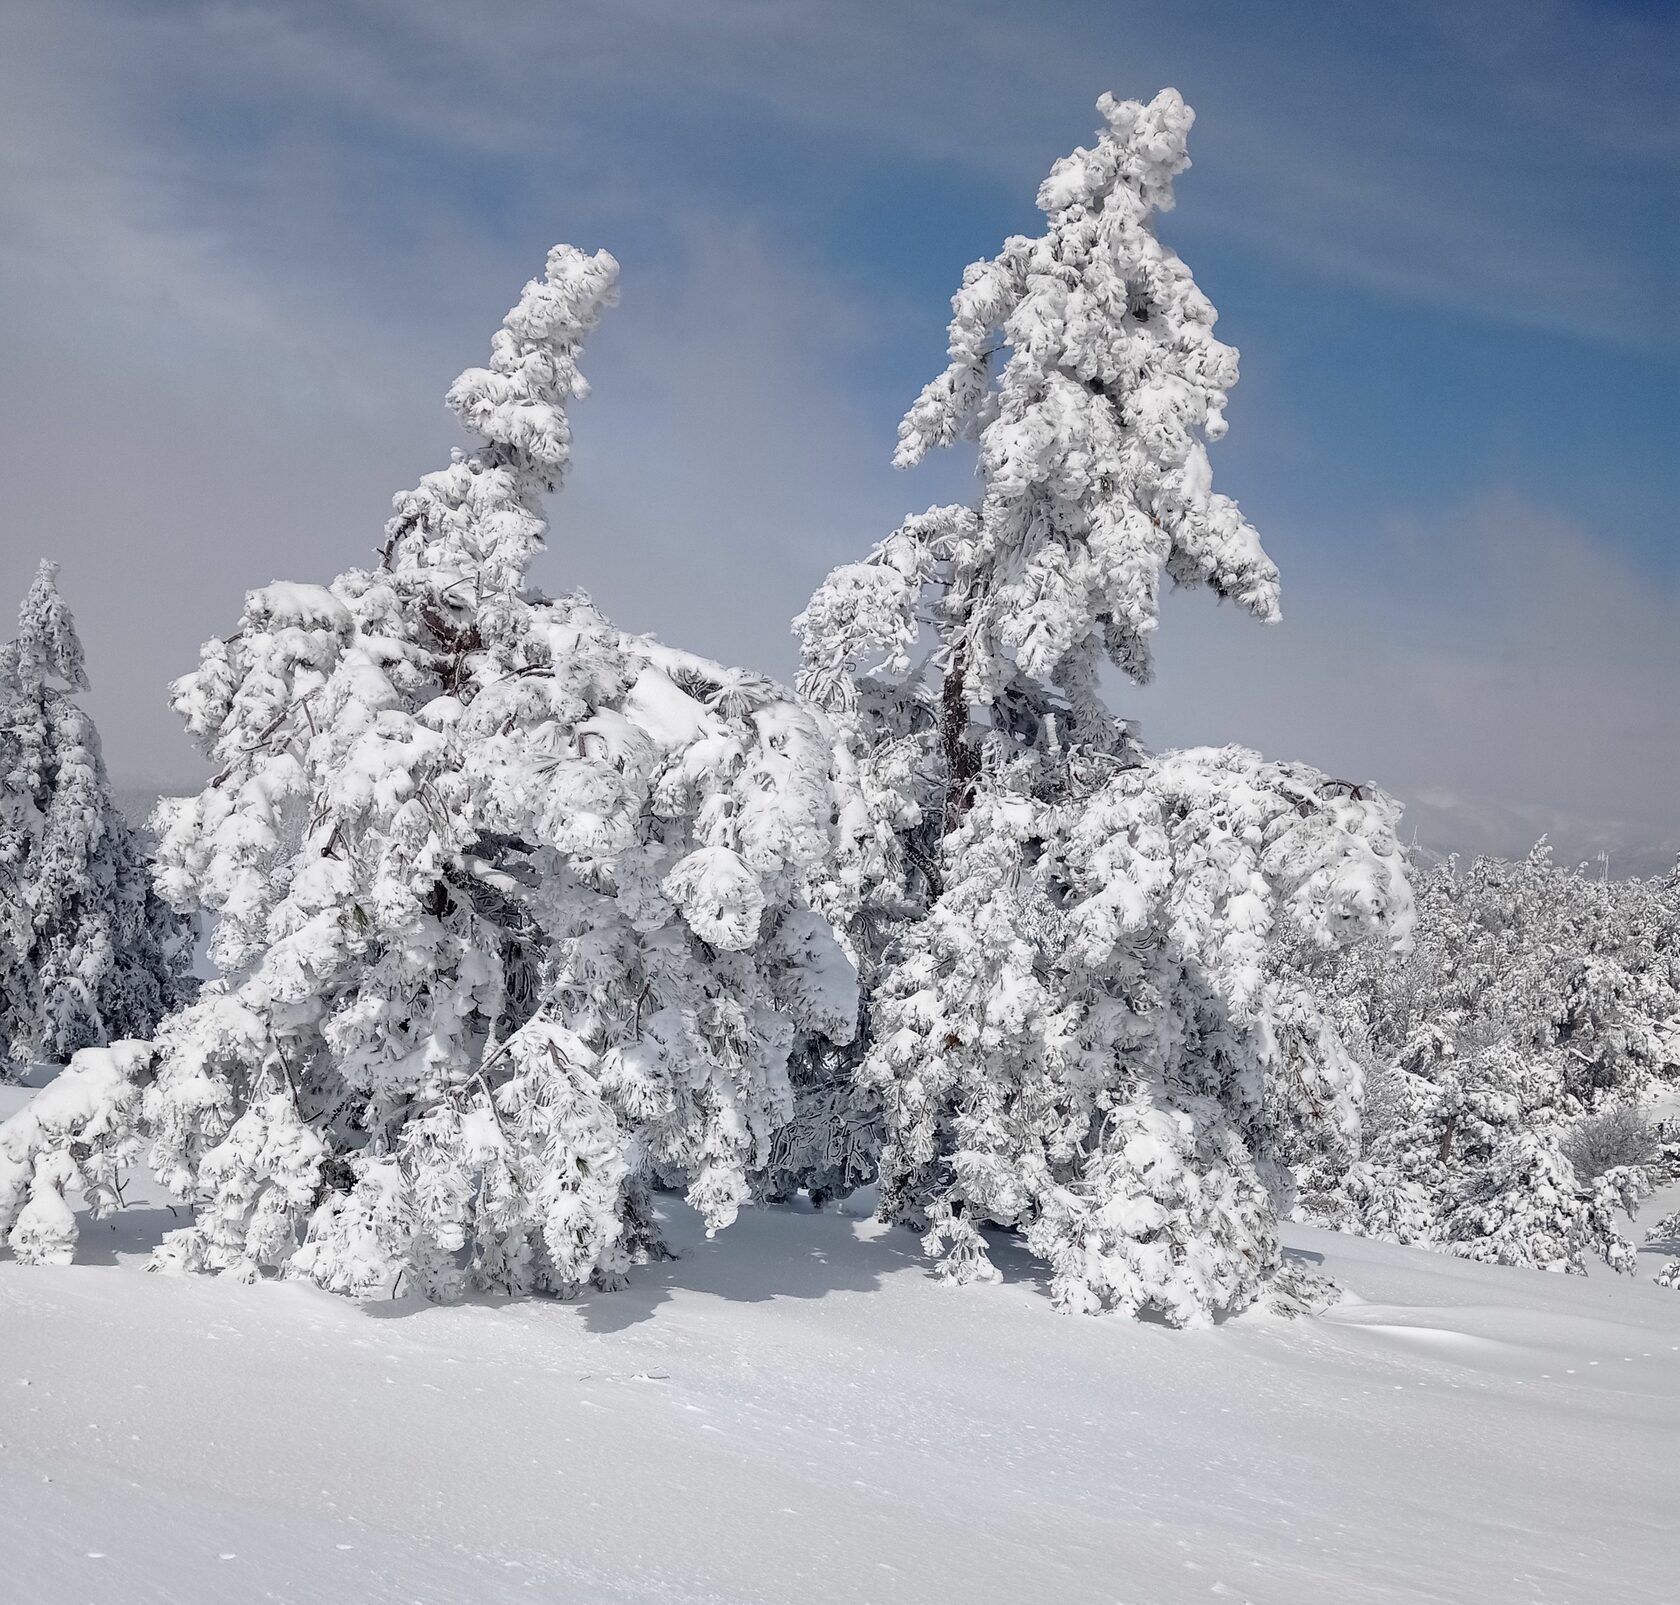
[{"x": 796, "y": 1411}]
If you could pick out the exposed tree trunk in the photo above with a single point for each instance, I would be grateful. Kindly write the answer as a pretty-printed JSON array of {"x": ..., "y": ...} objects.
[{"x": 962, "y": 757}]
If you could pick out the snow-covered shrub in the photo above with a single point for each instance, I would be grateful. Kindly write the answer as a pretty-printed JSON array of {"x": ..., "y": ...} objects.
[
  {"x": 1508, "y": 1049},
  {"x": 509, "y": 906},
  {"x": 1526, "y": 1207},
  {"x": 1062, "y": 936},
  {"x": 1617, "y": 1136},
  {"x": 1375, "y": 1200},
  {"x": 78, "y": 1132},
  {"x": 1665, "y": 1234},
  {"x": 1574, "y": 972},
  {"x": 88, "y": 952}
]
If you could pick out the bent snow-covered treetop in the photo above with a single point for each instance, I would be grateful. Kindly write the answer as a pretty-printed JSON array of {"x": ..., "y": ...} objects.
[
  {"x": 1093, "y": 430},
  {"x": 1070, "y": 1032},
  {"x": 510, "y": 907}
]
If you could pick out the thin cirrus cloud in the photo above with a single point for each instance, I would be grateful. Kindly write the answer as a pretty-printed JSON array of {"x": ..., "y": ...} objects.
[{"x": 243, "y": 249}]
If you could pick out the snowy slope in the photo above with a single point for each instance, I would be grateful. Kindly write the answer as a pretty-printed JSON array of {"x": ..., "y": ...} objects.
[{"x": 795, "y": 1411}]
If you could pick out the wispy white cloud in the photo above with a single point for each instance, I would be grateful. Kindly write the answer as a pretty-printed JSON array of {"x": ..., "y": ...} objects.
[{"x": 1459, "y": 177}]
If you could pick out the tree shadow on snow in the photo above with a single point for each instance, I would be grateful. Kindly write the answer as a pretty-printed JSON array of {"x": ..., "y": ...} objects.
[
  {"x": 793, "y": 1251},
  {"x": 777, "y": 1251},
  {"x": 128, "y": 1234}
]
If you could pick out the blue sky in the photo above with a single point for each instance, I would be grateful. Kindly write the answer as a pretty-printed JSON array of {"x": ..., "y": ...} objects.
[{"x": 243, "y": 249}]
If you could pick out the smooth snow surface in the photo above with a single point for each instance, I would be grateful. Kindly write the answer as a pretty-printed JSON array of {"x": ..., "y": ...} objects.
[{"x": 795, "y": 1410}]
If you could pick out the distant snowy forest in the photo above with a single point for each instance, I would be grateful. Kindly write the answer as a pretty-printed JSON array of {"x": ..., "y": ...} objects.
[{"x": 521, "y": 926}]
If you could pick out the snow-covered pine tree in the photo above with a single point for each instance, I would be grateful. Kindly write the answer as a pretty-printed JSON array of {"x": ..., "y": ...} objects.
[
  {"x": 1062, "y": 936},
  {"x": 88, "y": 952},
  {"x": 510, "y": 906}
]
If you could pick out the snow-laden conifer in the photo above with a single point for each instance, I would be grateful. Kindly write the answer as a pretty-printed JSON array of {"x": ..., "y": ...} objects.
[
  {"x": 88, "y": 952},
  {"x": 509, "y": 906},
  {"x": 1071, "y": 1031}
]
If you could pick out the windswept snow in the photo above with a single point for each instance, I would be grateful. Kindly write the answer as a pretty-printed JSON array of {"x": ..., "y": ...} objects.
[{"x": 797, "y": 1410}]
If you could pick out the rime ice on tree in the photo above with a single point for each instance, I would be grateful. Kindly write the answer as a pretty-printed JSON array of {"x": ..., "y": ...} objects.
[
  {"x": 1070, "y": 1030},
  {"x": 88, "y": 952},
  {"x": 1537, "y": 1003},
  {"x": 509, "y": 906}
]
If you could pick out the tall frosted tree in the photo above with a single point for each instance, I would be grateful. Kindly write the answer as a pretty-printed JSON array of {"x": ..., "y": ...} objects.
[
  {"x": 509, "y": 905},
  {"x": 1071, "y": 1031},
  {"x": 88, "y": 952}
]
